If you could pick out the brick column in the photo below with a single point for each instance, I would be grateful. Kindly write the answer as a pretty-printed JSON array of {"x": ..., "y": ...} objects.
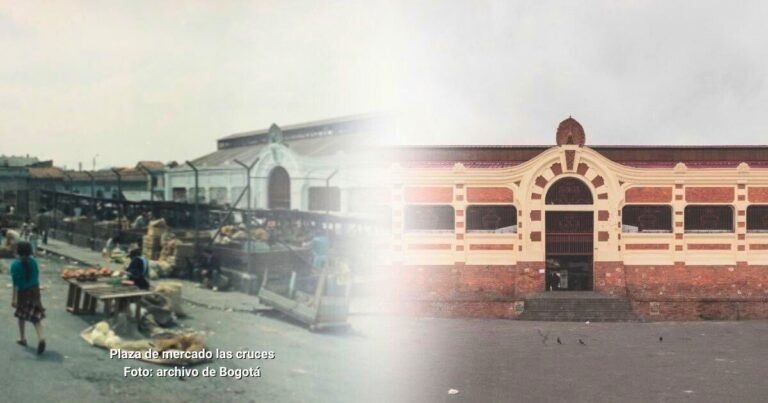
[
  {"x": 740, "y": 205},
  {"x": 678, "y": 225},
  {"x": 460, "y": 206}
]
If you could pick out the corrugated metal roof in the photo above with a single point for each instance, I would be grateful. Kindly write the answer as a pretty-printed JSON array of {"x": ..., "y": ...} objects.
[
  {"x": 306, "y": 125},
  {"x": 226, "y": 157},
  {"x": 310, "y": 147}
]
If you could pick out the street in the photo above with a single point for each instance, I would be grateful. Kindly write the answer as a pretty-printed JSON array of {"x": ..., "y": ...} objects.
[{"x": 386, "y": 358}]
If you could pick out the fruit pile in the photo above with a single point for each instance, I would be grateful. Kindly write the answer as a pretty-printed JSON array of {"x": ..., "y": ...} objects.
[{"x": 89, "y": 274}]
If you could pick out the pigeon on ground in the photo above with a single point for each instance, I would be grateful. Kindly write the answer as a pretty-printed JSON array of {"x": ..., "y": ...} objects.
[
  {"x": 661, "y": 338},
  {"x": 581, "y": 341},
  {"x": 558, "y": 341}
]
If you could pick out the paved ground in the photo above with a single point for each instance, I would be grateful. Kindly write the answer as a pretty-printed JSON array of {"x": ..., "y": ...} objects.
[{"x": 390, "y": 359}]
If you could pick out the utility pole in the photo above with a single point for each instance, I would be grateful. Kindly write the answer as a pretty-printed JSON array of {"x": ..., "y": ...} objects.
[
  {"x": 197, "y": 210},
  {"x": 249, "y": 245},
  {"x": 93, "y": 208},
  {"x": 119, "y": 191},
  {"x": 151, "y": 181}
]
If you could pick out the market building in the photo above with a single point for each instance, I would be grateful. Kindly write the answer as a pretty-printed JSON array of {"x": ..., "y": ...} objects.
[
  {"x": 681, "y": 232},
  {"x": 309, "y": 166}
]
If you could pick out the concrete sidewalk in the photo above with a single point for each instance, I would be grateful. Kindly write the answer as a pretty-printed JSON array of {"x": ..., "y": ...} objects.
[{"x": 75, "y": 253}]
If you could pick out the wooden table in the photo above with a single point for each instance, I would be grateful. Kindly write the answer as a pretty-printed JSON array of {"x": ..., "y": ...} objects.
[
  {"x": 77, "y": 302},
  {"x": 83, "y": 297}
]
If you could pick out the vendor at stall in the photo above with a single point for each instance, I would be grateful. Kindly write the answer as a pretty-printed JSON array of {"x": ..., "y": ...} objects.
[
  {"x": 138, "y": 269},
  {"x": 320, "y": 244}
]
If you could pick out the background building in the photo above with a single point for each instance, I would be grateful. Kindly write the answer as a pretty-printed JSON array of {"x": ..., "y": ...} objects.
[{"x": 314, "y": 166}]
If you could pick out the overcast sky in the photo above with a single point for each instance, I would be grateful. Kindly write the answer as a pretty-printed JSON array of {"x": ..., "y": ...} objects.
[{"x": 158, "y": 80}]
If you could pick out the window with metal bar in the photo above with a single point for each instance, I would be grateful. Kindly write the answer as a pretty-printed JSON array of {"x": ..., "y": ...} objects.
[
  {"x": 757, "y": 218},
  {"x": 428, "y": 218},
  {"x": 492, "y": 218},
  {"x": 646, "y": 218},
  {"x": 709, "y": 219},
  {"x": 324, "y": 199}
]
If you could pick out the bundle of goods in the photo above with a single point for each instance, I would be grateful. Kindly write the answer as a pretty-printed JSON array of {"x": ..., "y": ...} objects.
[
  {"x": 159, "y": 269},
  {"x": 182, "y": 349},
  {"x": 157, "y": 227},
  {"x": 184, "y": 342},
  {"x": 171, "y": 290},
  {"x": 168, "y": 252},
  {"x": 151, "y": 246}
]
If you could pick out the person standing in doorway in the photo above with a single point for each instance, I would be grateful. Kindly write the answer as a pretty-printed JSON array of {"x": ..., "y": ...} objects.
[{"x": 26, "y": 281}]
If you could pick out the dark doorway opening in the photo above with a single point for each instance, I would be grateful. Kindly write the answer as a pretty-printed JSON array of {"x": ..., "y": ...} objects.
[
  {"x": 279, "y": 189},
  {"x": 569, "y": 250}
]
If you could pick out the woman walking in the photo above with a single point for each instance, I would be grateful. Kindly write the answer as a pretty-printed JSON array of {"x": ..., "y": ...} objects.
[{"x": 26, "y": 281}]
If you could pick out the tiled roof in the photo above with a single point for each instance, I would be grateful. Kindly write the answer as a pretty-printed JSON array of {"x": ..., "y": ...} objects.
[
  {"x": 151, "y": 165},
  {"x": 637, "y": 156}
]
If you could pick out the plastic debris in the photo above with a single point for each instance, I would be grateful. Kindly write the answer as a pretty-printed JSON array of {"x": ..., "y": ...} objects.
[{"x": 453, "y": 391}]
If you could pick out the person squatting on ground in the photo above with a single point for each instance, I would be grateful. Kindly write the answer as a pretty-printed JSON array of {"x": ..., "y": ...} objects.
[
  {"x": 138, "y": 269},
  {"x": 26, "y": 282},
  {"x": 212, "y": 273}
]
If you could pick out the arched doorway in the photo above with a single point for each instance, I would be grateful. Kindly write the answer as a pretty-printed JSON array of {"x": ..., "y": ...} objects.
[
  {"x": 279, "y": 189},
  {"x": 569, "y": 225}
]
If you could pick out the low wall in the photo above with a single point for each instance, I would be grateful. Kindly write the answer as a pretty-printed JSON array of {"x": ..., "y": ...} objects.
[{"x": 674, "y": 292}]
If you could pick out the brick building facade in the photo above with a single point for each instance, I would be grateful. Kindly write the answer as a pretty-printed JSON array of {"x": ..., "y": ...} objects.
[{"x": 681, "y": 232}]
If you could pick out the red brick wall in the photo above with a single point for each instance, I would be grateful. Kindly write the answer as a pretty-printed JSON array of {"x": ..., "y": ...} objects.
[
  {"x": 709, "y": 194},
  {"x": 757, "y": 194},
  {"x": 660, "y": 283},
  {"x": 680, "y": 292},
  {"x": 428, "y": 194},
  {"x": 453, "y": 283},
  {"x": 490, "y": 195},
  {"x": 529, "y": 280},
  {"x": 609, "y": 278},
  {"x": 647, "y": 246},
  {"x": 648, "y": 195}
]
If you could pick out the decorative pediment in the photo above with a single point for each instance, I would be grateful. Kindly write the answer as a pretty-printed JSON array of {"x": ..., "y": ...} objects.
[{"x": 570, "y": 132}]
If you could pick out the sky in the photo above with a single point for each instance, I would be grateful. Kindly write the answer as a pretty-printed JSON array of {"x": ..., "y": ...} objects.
[{"x": 124, "y": 81}]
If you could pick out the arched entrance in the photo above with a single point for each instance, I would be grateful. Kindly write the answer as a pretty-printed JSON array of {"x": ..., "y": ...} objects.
[
  {"x": 569, "y": 225},
  {"x": 279, "y": 189}
]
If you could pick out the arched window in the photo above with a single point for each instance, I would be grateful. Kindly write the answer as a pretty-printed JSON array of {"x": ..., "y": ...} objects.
[
  {"x": 569, "y": 191},
  {"x": 279, "y": 189}
]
